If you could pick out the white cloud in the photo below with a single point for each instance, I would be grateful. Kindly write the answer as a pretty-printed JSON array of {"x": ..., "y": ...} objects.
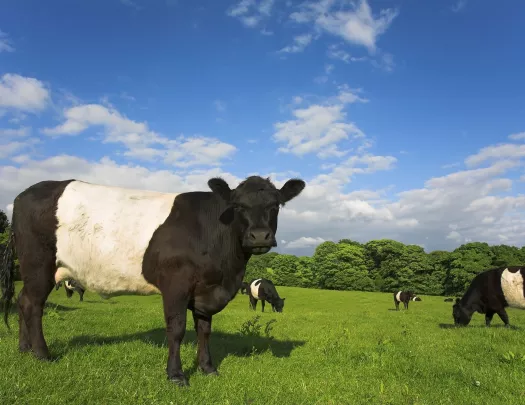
[
  {"x": 251, "y": 12},
  {"x": 22, "y": 93},
  {"x": 458, "y": 6},
  {"x": 300, "y": 42},
  {"x": 11, "y": 132},
  {"x": 220, "y": 105},
  {"x": 518, "y": 136},
  {"x": 496, "y": 152},
  {"x": 304, "y": 242},
  {"x": 5, "y": 43},
  {"x": 131, "y": 3},
  {"x": 356, "y": 24},
  {"x": 141, "y": 142},
  {"x": 318, "y": 128}
]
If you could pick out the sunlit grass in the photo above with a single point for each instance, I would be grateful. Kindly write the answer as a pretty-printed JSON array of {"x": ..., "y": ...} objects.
[{"x": 327, "y": 347}]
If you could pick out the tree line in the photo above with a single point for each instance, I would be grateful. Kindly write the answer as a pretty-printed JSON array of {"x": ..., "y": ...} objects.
[{"x": 379, "y": 265}]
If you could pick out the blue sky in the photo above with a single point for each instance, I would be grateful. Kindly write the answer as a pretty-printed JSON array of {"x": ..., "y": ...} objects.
[{"x": 404, "y": 117}]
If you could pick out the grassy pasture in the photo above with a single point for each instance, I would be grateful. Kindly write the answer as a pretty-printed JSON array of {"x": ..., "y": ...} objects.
[{"x": 327, "y": 347}]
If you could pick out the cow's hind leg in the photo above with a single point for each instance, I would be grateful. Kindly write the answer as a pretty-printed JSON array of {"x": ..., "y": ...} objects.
[
  {"x": 81, "y": 293},
  {"x": 504, "y": 317},
  {"x": 24, "y": 339},
  {"x": 203, "y": 329},
  {"x": 262, "y": 305},
  {"x": 253, "y": 302},
  {"x": 37, "y": 286},
  {"x": 175, "y": 307}
]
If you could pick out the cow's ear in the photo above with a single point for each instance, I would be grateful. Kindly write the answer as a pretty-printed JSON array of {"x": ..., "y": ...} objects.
[
  {"x": 219, "y": 186},
  {"x": 291, "y": 189},
  {"x": 227, "y": 216},
  {"x": 284, "y": 299}
]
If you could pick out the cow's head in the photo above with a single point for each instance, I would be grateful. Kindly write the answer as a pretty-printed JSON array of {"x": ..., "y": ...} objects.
[
  {"x": 278, "y": 304},
  {"x": 461, "y": 316},
  {"x": 254, "y": 206}
]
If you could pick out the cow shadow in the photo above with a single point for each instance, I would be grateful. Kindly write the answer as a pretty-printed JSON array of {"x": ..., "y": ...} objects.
[
  {"x": 222, "y": 344},
  {"x": 497, "y": 326}
]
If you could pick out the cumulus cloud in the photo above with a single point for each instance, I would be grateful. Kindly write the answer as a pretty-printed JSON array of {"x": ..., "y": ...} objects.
[
  {"x": 304, "y": 242},
  {"x": 318, "y": 128},
  {"x": 140, "y": 141},
  {"x": 22, "y": 93},
  {"x": 354, "y": 24}
]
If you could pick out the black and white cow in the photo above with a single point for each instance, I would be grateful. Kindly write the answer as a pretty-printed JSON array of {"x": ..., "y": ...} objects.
[
  {"x": 416, "y": 299},
  {"x": 489, "y": 293},
  {"x": 71, "y": 286},
  {"x": 192, "y": 248},
  {"x": 405, "y": 297},
  {"x": 264, "y": 290}
]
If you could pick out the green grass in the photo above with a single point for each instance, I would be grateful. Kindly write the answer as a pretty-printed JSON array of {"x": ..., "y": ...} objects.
[{"x": 327, "y": 347}]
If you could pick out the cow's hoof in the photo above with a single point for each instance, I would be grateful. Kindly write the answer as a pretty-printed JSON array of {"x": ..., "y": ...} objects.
[
  {"x": 180, "y": 381},
  {"x": 24, "y": 348},
  {"x": 209, "y": 371},
  {"x": 42, "y": 355}
]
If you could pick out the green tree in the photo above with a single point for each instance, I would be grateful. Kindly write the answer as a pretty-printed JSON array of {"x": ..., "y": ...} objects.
[
  {"x": 285, "y": 270},
  {"x": 468, "y": 260}
]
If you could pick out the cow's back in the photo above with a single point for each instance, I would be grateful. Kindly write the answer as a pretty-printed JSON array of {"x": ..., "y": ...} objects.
[{"x": 103, "y": 233}]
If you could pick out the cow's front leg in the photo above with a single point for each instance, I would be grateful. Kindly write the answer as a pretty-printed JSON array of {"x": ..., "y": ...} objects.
[
  {"x": 488, "y": 318},
  {"x": 175, "y": 316},
  {"x": 203, "y": 329}
]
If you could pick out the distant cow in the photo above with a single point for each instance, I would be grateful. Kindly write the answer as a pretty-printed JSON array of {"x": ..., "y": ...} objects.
[
  {"x": 416, "y": 299},
  {"x": 191, "y": 247},
  {"x": 264, "y": 290},
  {"x": 449, "y": 299},
  {"x": 405, "y": 297},
  {"x": 71, "y": 286},
  {"x": 489, "y": 293}
]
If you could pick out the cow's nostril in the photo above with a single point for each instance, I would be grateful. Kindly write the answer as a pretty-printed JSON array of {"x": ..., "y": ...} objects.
[
  {"x": 252, "y": 236},
  {"x": 267, "y": 236}
]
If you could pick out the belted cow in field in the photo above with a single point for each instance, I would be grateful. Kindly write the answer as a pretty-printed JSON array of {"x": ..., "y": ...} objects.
[
  {"x": 264, "y": 290},
  {"x": 192, "y": 248},
  {"x": 405, "y": 297},
  {"x": 71, "y": 286},
  {"x": 489, "y": 293}
]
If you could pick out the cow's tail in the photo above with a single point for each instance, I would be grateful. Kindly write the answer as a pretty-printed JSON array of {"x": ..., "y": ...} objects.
[{"x": 7, "y": 276}]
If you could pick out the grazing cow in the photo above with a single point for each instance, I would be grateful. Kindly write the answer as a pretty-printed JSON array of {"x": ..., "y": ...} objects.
[
  {"x": 264, "y": 290},
  {"x": 71, "y": 286},
  {"x": 192, "y": 248},
  {"x": 416, "y": 299},
  {"x": 405, "y": 297},
  {"x": 244, "y": 288},
  {"x": 449, "y": 299},
  {"x": 489, "y": 293}
]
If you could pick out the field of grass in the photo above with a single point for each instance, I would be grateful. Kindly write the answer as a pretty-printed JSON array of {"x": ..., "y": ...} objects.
[{"x": 327, "y": 347}]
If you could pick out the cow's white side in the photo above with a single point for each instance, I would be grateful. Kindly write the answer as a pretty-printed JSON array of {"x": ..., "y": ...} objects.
[
  {"x": 103, "y": 233},
  {"x": 512, "y": 286},
  {"x": 255, "y": 288}
]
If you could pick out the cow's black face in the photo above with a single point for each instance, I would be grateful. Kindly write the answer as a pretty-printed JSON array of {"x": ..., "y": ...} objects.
[
  {"x": 253, "y": 207},
  {"x": 461, "y": 317},
  {"x": 279, "y": 304}
]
